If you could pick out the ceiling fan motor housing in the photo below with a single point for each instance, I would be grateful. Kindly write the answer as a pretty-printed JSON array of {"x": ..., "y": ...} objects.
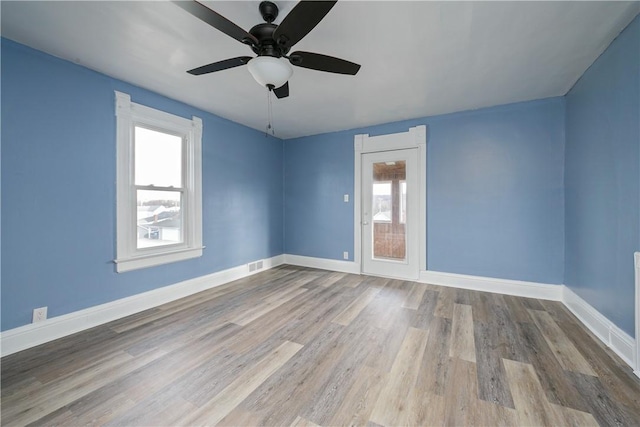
[{"x": 267, "y": 46}]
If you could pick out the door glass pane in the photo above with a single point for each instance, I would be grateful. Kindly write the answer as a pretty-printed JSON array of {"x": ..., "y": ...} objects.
[
  {"x": 159, "y": 218},
  {"x": 389, "y": 210},
  {"x": 158, "y": 158}
]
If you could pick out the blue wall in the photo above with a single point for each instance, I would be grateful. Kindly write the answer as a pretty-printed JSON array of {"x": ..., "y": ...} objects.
[
  {"x": 58, "y": 190},
  {"x": 495, "y": 202},
  {"x": 602, "y": 179}
]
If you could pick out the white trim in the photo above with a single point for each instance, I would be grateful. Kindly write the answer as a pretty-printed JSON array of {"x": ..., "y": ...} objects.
[
  {"x": 323, "y": 263},
  {"x": 636, "y": 258},
  {"x": 611, "y": 335},
  {"x": 33, "y": 334},
  {"x": 488, "y": 284},
  {"x": 128, "y": 115},
  {"x": 415, "y": 137},
  {"x": 357, "y": 203},
  {"x": 153, "y": 259}
]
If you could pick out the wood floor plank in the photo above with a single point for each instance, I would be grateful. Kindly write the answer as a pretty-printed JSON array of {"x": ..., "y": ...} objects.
[
  {"x": 614, "y": 375},
  {"x": 558, "y": 312},
  {"x": 506, "y": 335},
  {"x": 390, "y": 406},
  {"x": 462, "y": 335},
  {"x": 425, "y": 311},
  {"x": 532, "y": 303},
  {"x": 220, "y": 406},
  {"x": 331, "y": 279},
  {"x": 555, "y": 383},
  {"x": 422, "y": 409},
  {"x": 573, "y": 417},
  {"x": 352, "y": 280},
  {"x": 393, "y": 328},
  {"x": 257, "y": 312},
  {"x": 481, "y": 306},
  {"x": 461, "y": 395},
  {"x": 301, "y": 422},
  {"x": 240, "y": 417},
  {"x": 285, "y": 395},
  {"x": 434, "y": 370},
  {"x": 356, "y": 307},
  {"x": 165, "y": 412},
  {"x": 444, "y": 307},
  {"x": 517, "y": 310},
  {"x": 604, "y": 409},
  {"x": 359, "y": 401},
  {"x": 315, "y": 311},
  {"x": 35, "y": 407},
  {"x": 531, "y": 406},
  {"x": 492, "y": 382},
  {"x": 564, "y": 350},
  {"x": 330, "y": 395},
  {"x": 415, "y": 296}
]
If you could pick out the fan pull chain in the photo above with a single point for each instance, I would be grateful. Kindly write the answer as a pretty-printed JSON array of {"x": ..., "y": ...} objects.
[{"x": 269, "y": 115}]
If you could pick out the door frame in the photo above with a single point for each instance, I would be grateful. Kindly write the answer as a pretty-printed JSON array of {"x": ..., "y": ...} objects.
[{"x": 415, "y": 137}]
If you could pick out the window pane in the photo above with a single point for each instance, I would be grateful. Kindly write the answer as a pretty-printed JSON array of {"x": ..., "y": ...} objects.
[
  {"x": 388, "y": 210},
  {"x": 158, "y": 158},
  {"x": 159, "y": 218},
  {"x": 381, "y": 202}
]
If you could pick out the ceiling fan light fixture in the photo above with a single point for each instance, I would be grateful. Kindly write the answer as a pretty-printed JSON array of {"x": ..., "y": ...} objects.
[{"x": 270, "y": 71}]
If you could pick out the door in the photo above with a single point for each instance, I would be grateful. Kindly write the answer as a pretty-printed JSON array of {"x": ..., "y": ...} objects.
[{"x": 390, "y": 213}]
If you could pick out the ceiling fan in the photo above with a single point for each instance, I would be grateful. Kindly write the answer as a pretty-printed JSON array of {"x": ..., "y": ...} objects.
[{"x": 271, "y": 42}]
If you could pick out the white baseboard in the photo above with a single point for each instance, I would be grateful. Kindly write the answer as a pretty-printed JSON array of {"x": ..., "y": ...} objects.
[
  {"x": 323, "y": 263},
  {"x": 487, "y": 284},
  {"x": 611, "y": 335},
  {"x": 34, "y": 334}
]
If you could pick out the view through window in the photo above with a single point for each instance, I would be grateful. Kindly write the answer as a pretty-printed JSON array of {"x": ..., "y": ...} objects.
[{"x": 159, "y": 188}]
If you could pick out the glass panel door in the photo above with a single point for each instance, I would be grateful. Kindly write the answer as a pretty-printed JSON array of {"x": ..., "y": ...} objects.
[{"x": 390, "y": 213}]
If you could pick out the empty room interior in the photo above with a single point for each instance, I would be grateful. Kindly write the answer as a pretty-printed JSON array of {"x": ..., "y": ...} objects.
[{"x": 320, "y": 213}]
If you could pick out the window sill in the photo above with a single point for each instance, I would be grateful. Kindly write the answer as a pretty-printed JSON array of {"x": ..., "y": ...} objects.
[{"x": 151, "y": 260}]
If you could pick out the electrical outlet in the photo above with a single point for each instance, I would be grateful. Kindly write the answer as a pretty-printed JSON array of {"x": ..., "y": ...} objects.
[
  {"x": 346, "y": 198},
  {"x": 345, "y": 255},
  {"x": 39, "y": 314}
]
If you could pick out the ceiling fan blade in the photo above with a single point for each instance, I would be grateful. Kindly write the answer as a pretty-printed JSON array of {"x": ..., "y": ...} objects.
[
  {"x": 217, "y": 21},
  {"x": 282, "y": 91},
  {"x": 220, "y": 65},
  {"x": 301, "y": 20},
  {"x": 316, "y": 61}
]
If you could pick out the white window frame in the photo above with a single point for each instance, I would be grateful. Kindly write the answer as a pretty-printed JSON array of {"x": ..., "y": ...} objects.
[{"x": 128, "y": 116}]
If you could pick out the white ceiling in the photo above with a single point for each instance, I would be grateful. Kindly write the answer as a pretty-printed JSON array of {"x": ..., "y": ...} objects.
[{"x": 418, "y": 58}]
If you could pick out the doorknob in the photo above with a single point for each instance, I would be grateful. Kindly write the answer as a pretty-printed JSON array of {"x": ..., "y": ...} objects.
[{"x": 365, "y": 223}]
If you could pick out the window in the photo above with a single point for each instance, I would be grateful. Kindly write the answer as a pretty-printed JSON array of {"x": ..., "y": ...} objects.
[{"x": 159, "y": 197}]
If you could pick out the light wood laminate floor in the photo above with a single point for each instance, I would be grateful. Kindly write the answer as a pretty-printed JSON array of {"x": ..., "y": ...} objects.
[{"x": 297, "y": 346}]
